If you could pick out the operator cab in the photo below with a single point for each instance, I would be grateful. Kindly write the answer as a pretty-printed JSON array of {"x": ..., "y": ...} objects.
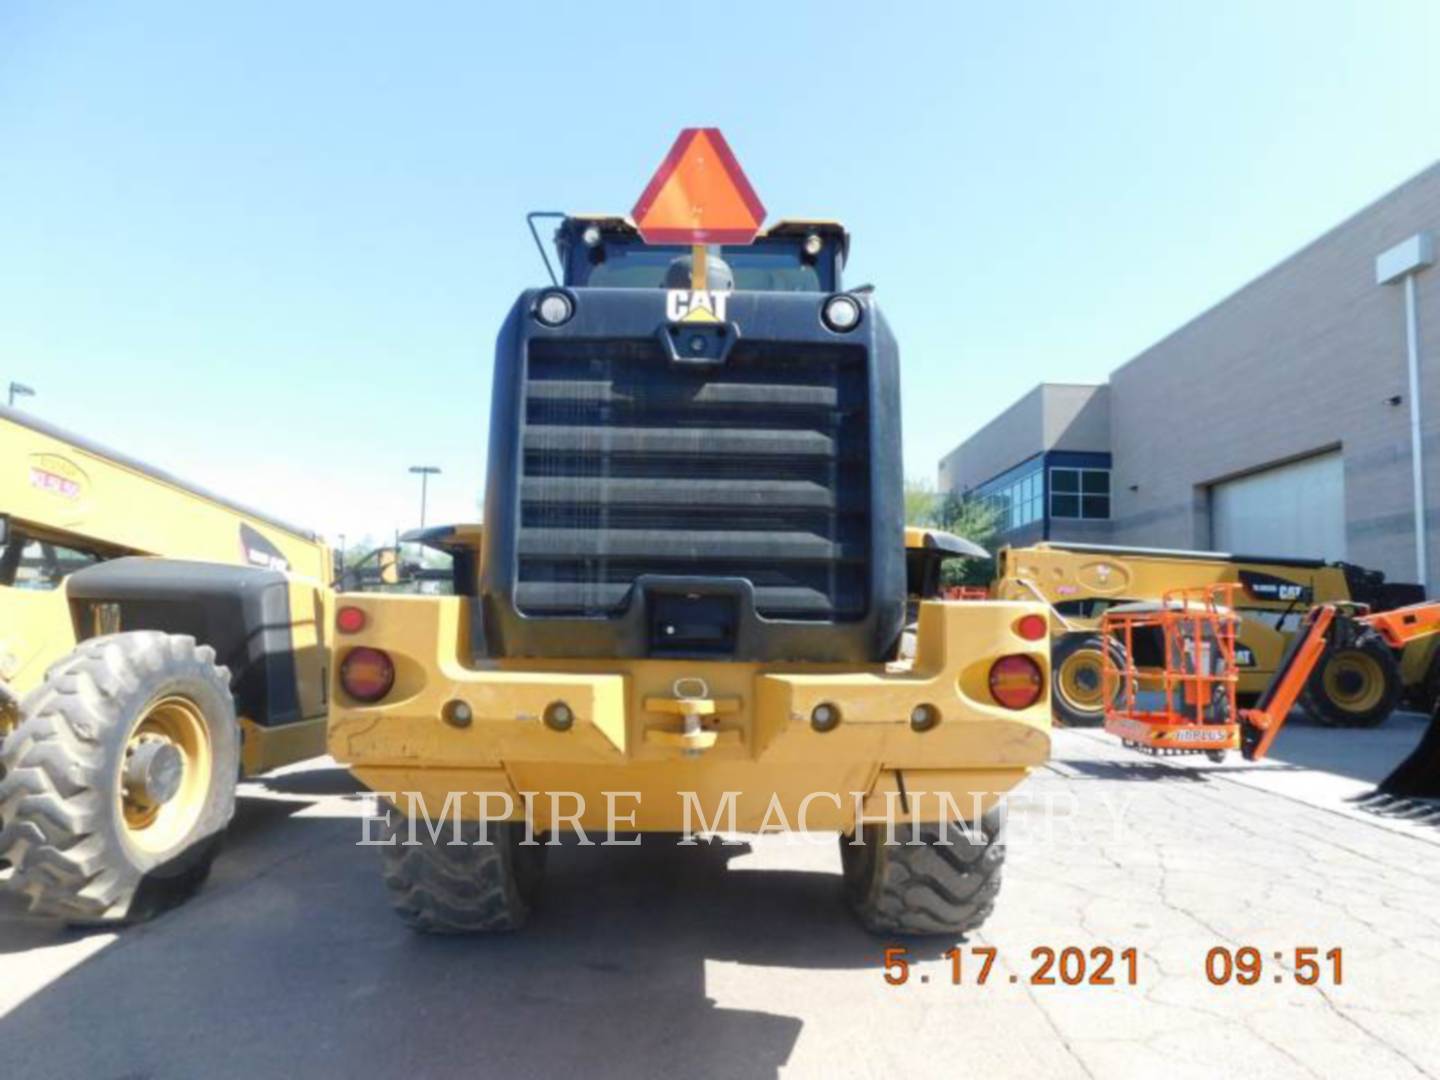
[{"x": 792, "y": 256}]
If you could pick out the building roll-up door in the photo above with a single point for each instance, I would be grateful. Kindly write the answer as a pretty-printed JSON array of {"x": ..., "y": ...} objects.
[{"x": 1296, "y": 509}]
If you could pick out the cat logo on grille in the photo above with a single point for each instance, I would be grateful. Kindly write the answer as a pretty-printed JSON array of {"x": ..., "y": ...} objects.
[{"x": 695, "y": 305}]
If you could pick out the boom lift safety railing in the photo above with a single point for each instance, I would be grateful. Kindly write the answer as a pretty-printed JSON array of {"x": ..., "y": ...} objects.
[{"x": 1185, "y": 703}]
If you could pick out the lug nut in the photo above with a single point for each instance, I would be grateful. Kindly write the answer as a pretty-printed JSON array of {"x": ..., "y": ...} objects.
[
  {"x": 558, "y": 716},
  {"x": 824, "y": 717}
]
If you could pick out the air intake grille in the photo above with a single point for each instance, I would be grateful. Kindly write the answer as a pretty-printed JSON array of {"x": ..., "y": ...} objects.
[{"x": 757, "y": 468}]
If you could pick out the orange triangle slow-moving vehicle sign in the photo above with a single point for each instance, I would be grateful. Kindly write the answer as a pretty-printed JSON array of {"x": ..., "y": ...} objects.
[{"x": 699, "y": 195}]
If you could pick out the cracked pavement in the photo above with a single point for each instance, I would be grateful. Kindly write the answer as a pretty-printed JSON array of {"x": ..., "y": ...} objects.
[{"x": 740, "y": 961}]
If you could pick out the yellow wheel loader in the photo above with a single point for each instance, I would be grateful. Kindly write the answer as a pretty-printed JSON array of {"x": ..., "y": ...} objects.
[
  {"x": 157, "y": 642},
  {"x": 686, "y": 607},
  {"x": 1358, "y": 685}
]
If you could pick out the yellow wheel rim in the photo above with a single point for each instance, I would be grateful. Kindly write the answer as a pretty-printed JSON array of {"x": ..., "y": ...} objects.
[
  {"x": 1354, "y": 681},
  {"x": 1080, "y": 681},
  {"x": 173, "y": 725}
]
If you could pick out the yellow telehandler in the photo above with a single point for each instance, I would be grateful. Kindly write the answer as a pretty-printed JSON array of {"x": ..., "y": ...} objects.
[
  {"x": 1358, "y": 685},
  {"x": 157, "y": 643}
]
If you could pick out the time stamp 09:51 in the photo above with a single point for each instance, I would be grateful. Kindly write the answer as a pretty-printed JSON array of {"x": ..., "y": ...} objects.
[{"x": 1244, "y": 965}]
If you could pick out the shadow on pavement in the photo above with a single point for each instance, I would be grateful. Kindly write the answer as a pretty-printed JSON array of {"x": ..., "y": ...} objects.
[
  {"x": 1146, "y": 768},
  {"x": 20, "y": 932},
  {"x": 253, "y": 822},
  {"x": 298, "y": 968},
  {"x": 1367, "y": 754},
  {"x": 1415, "y": 811}
]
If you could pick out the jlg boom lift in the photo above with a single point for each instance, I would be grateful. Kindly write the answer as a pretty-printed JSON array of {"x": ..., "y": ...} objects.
[
  {"x": 1187, "y": 703},
  {"x": 1357, "y": 686},
  {"x": 690, "y": 590}
]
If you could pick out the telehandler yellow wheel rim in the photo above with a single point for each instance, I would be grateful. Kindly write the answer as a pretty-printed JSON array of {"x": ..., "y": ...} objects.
[
  {"x": 165, "y": 774},
  {"x": 1080, "y": 681},
  {"x": 1354, "y": 681}
]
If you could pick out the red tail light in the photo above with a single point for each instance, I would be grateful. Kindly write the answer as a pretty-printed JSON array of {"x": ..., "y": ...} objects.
[
  {"x": 1032, "y": 627},
  {"x": 367, "y": 675},
  {"x": 351, "y": 620},
  {"x": 1016, "y": 682}
]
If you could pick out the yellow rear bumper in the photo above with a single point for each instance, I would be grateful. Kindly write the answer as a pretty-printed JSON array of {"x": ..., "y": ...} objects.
[{"x": 686, "y": 737}]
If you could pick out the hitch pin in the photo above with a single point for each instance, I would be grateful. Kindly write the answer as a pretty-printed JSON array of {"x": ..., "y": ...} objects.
[{"x": 690, "y": 721}]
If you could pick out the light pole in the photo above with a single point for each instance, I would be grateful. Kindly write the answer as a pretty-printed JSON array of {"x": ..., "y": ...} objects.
[
  {"x": 19, "y": 390},
  {"x": 1399, "y": 265},
  {"x": 425, "y": 472}
]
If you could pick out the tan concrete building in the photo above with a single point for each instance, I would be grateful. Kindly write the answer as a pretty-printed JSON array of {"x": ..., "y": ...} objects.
[
  {"x": 1023, "y": 462},
  {"x": 1277, "y": 422}
]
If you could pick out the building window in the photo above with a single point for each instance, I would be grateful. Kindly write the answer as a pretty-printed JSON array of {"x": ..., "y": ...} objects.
[
  {"x": 1018, "y": 496},
  {"x": 1080, "y": 493}
]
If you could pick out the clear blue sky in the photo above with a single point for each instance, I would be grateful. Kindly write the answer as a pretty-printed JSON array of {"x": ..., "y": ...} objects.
[{"x": 268, "y": 245}]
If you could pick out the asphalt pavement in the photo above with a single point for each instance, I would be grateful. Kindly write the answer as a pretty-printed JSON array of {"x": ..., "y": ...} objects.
[{"x": 739, "y": 960}]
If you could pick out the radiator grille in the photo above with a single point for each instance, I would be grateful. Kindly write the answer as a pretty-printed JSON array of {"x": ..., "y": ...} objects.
[{"x": 757, "y": 469}]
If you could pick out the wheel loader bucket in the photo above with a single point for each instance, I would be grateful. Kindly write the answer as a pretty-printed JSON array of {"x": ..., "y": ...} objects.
[{"x": 1418, "y": 776}]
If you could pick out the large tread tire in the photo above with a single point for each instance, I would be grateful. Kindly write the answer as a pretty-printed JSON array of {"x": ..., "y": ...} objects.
[
  {"x": 61, "y": 824},
  {"x": 927, "y": 888},
  {"x": 1081, "y": 654},
  {"x": 1362, "y": 655},
  {"x": 465, "y": 888}
]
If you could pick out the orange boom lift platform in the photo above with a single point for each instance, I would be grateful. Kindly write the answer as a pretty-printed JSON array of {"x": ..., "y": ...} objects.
[
  {"x": 1183, "y": 699},
  {"x": 1185, "y": 702}
]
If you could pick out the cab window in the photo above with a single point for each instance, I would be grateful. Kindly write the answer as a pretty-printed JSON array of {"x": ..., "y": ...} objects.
[
  {"x": 27, "y": 562},
  {"x": 1092, "y": 607},
  {"x": 767, "y": 266}
]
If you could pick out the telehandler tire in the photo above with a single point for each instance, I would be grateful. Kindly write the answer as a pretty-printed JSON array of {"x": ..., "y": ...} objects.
[
  {"x": 465, "y": 888},
  {"x": 927, "y": 888},
  {"x": 1357, "y": 682},
  {"x": 1077, "y": 688},
  {"x": 119, "y": 779}
]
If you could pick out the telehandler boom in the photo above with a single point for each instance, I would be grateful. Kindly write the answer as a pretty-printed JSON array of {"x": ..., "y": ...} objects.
[{"x": 1328, "y": 627}]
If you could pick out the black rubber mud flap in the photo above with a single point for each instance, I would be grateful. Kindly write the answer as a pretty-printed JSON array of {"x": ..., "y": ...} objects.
[{"x": 1418, "y": 776}]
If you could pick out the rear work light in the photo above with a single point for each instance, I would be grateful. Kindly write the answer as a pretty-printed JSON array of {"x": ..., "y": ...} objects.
[
  {"x": 841, "y": 313},
  {"x": 1016, "y": 682},
  {"x": 554, "y": 308},
  {"x": 367, "y": 675}
]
